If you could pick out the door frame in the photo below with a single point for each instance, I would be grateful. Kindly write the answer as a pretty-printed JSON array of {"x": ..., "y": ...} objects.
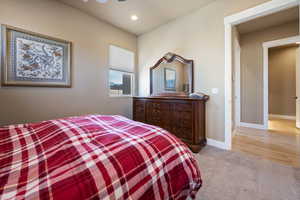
[
  {"x": 266, "y": 46},
  {"x": 236, "y": 79},
  {"x": 229, "y": 22}
]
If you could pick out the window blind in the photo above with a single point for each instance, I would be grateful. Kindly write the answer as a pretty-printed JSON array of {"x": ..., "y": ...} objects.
[{"x": 121, "y": 59}]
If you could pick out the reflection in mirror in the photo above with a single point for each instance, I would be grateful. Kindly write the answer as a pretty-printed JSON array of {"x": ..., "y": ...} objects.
[{"x": 172, "y": 74}]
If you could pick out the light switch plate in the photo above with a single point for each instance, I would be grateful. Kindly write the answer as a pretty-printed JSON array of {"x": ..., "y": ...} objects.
[{"x": 215, "y": 90}]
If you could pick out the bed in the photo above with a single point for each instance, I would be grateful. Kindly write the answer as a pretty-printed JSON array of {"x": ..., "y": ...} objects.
[{"x": 95, "y": 157}]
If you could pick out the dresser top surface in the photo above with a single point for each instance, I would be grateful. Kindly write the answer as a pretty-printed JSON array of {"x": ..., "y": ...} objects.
[{"x": 187, "y": 98}]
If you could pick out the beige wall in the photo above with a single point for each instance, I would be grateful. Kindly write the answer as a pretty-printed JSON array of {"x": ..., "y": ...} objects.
[
  {"x": 90, "y": 38},
  {"x": 198, "y": 36},
  {"x": 252, "y": 68},
  {"x": 282, "y": 81}
]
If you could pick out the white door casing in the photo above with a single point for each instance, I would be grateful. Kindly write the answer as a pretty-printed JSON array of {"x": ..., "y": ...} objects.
[
  {"x": 236, "y": 79},
  {"x": 298, "y": 88}
]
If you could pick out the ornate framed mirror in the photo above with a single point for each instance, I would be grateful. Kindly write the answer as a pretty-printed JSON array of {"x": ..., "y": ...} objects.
[{"x": 172, "y": 75}]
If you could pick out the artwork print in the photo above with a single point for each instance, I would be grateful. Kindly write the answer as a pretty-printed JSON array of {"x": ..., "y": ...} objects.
[
  {"x": 35, "y": 60},
  {"x": 170, "y": 79}
]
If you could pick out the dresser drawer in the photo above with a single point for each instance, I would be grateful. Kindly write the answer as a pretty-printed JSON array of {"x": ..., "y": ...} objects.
[
  {"x": 158, "y": 113},
  {"x": 158, "y": 106},
  {"x": 183, "y": 107},
  {"x": 139, "y": 111},
  {"x": 183, "y": 133},
  {"x": 183, "y": 114}
]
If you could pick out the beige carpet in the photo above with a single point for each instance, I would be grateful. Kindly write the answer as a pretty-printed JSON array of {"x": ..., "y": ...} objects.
[{"x": 231, "y": 175}]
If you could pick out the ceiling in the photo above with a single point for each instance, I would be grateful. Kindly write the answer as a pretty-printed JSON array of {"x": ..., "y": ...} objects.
[
  {"x": 261, "y": 23},
  {"x": 151, "y": 13}
]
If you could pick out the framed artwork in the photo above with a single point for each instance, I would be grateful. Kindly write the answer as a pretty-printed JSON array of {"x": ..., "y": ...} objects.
[
  {"x": 32, "y": 59},
  {"x": 170, "y": 79}
]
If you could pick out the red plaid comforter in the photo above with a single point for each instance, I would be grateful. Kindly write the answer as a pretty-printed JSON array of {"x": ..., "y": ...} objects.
[{"x": 94, "y": 157}]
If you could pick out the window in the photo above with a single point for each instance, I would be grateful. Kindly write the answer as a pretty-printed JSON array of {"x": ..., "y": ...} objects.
[
  {"x": 120, "y": 83},
  {"x": 121, "y": 72}
]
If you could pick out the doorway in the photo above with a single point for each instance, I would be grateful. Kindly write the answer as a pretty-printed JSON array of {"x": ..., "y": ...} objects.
[
  {"x": 277, "y": 139},
  {"x": 230, "y": 22},
  {"x": 281, "y": 91},
  {"x": 251, "y": 41}
]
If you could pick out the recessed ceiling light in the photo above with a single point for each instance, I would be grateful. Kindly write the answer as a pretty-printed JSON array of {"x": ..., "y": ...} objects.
[
  {"x": 134, "y": 18},
  {"x": 101, "y": 1}
]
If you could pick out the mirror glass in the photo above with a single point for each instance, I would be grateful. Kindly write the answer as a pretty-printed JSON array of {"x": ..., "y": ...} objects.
[{"x": 172, "y": 74}]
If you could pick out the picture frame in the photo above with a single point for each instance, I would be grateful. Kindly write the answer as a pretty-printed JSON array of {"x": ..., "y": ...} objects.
[
  {"x": 170, "y": 79},
  {"x": 35, "y": 60}
]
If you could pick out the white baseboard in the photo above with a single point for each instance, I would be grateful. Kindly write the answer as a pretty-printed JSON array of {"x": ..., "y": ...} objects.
[
  {"x": 217, "y": 144},
  {"x": 282, "y": 116},
  {"x": 251, "y": 125}
]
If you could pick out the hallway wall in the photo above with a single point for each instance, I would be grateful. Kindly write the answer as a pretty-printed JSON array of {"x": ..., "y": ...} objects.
[
  {"x": 252, "y": 68},
  {"x": 282, "y": 81}
]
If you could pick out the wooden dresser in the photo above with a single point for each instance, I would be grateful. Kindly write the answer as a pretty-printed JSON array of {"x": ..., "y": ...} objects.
[{"x": 181, "y": 116}]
